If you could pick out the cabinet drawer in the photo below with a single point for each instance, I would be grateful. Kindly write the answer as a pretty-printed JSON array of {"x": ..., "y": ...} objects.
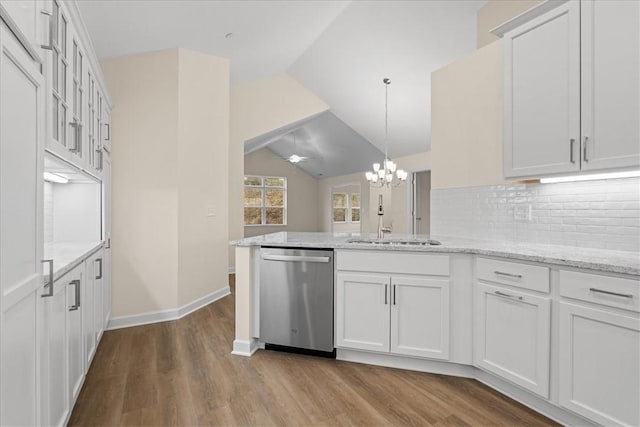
[
  {"x": 524, "y": 276},
  {"x": 393, "y": 262},
  {"x": 598, "y": 289}
]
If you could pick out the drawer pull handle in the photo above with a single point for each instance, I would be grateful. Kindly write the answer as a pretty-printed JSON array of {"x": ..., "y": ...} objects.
[
  {"x": 515, "y": 276},
  {"x": 502, "y": 294},
  {"x": 601, "y": 291}
]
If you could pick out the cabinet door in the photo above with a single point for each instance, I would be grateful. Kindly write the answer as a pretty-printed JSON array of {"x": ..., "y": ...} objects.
[
  {"x": 512, "y": 335},
  {"x": 25, "y": 15},
  {"x": 542, "y": 94},
  {"x": 106, "y": 273},
  {"x": 98, "y": 269},
  {"x": 88, "y": 312},
  {"x": 55, "y": 407},
  {"x": 420, "y": 317},
  {"x": 21, "y": 235},
  {"x": 610, "y": 84},
  {"x": 600, "y": 364},
  {"x": 362, "y": 318},
  {"x": 75, "y": 349}
]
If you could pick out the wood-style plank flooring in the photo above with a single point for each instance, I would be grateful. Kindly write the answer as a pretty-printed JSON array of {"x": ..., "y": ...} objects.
[{"x": 183, "y": 373}]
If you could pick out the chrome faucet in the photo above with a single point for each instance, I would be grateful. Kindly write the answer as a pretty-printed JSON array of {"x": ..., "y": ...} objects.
[{"x": 381, "y": 229}]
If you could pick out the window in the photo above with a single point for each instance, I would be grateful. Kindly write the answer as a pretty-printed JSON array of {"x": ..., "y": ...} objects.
[
  {"x": 265, "y": 200},
  {"x": 355, "y": 207},
  {"x": 346, "y": 207}
]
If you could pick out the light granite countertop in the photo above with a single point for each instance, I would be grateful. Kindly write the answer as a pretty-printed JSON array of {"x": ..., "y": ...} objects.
[
  {"x": 609, "y": 261},
  {"x": 67, "y": 255}
]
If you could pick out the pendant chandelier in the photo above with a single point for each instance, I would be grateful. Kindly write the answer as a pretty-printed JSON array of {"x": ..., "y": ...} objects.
[{"x": 386, "y": 174}]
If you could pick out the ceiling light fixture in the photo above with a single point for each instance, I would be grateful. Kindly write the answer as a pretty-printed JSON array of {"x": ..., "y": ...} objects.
[
  {"x": 54, "y": 177},
  {"x": 295, "y": 158},
  {"x": 611, "y": 175},
  {"x": 386, "y": 174}
]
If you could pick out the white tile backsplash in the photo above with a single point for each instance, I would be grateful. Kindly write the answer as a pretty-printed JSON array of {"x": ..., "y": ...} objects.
[
  {"x": 598, "y": 214},
  {"x": 48, "y": 212}
]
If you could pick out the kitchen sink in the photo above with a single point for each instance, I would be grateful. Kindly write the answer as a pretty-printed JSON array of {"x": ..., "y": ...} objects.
[{"x": 403, "y": 242}]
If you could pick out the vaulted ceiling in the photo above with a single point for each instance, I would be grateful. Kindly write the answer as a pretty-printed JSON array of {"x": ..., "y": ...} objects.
[{"x": 339, "y": 50}]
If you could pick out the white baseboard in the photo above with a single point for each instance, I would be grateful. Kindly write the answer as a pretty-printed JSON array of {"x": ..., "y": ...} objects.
[
  {"x": 232, "y": 270},
  {"x": 245, "y": 348},
  {"x": 409, "y": 363},
  {"x": 166, "y": 315}
]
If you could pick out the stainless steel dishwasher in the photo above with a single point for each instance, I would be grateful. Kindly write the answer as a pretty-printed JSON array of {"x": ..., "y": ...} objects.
[{"x": 296, "y": 299}]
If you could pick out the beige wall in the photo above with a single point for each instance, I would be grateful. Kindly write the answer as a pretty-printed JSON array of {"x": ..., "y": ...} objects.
[
  {"x": 258, "y": 107},
  {"x": 144, "y": 89},
  {"x": 496, "y": 12},
  {"x": 466, "y": 120},
  {"x": 302, "y": 192},
  {"x": 203, "y": 139},
  {"x": 170, "y": 122}
]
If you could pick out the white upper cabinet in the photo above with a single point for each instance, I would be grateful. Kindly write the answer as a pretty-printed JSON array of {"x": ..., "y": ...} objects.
[
  {"x": 610, "y": 84},
  {"x": 542, "y": 94},
  {"x": 571, "y": 88}
]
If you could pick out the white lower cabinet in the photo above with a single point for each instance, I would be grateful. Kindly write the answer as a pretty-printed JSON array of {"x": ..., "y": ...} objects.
[
  {"x": 600, "y": 364},
  {"x": 512, "y": 336},
  {"x": 75, "y": 353},
  {"x": 420, "y": 317},
  {"x": 362, "y": 316},
  {"x": 406, "y": 315},
  {"x": 55, "y": 403},
  {"x": 93, "y": 322}
]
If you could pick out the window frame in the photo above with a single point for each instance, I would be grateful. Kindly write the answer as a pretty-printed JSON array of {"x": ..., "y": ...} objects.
[
  {"x": 263, "y": 207},
  {"x": 348, "y": 217}
]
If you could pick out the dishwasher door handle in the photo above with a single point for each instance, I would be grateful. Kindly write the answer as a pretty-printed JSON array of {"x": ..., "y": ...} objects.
[{"x": 296, "y": 258}]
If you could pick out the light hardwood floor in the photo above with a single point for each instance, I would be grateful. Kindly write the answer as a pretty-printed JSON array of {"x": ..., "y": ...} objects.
[{"x": 183, "y": 373}]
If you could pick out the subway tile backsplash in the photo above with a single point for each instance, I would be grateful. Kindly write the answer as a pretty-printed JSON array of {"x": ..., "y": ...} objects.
[
  {"x": 48, "y": 212},
  {"x": 596, "y": 214}
]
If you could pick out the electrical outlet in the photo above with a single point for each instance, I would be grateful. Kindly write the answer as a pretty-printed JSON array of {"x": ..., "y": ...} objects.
[
  {"x": 522, "y": 213},
  {"x": 211, "y": 211}
]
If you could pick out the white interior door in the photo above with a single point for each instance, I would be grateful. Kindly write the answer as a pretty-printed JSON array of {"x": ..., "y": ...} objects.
[{"x": 21, "y": 233}]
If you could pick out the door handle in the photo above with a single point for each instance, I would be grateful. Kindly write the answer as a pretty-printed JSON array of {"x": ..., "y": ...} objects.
[
  {"x": 76, "y": 284},
  {"x": 394, "y": 294},
  {"x": 51, "y": 30},
  {"x": 385, "y": 294},
  {"x": 49, "y": 284},
  {"x": 502, "y": 294},
  {"x": 584, "y": 149},
  {"x": 296, "y": 258},
  {"x": 572, "y": 142},
  {"x": 99, "y": 260}
]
